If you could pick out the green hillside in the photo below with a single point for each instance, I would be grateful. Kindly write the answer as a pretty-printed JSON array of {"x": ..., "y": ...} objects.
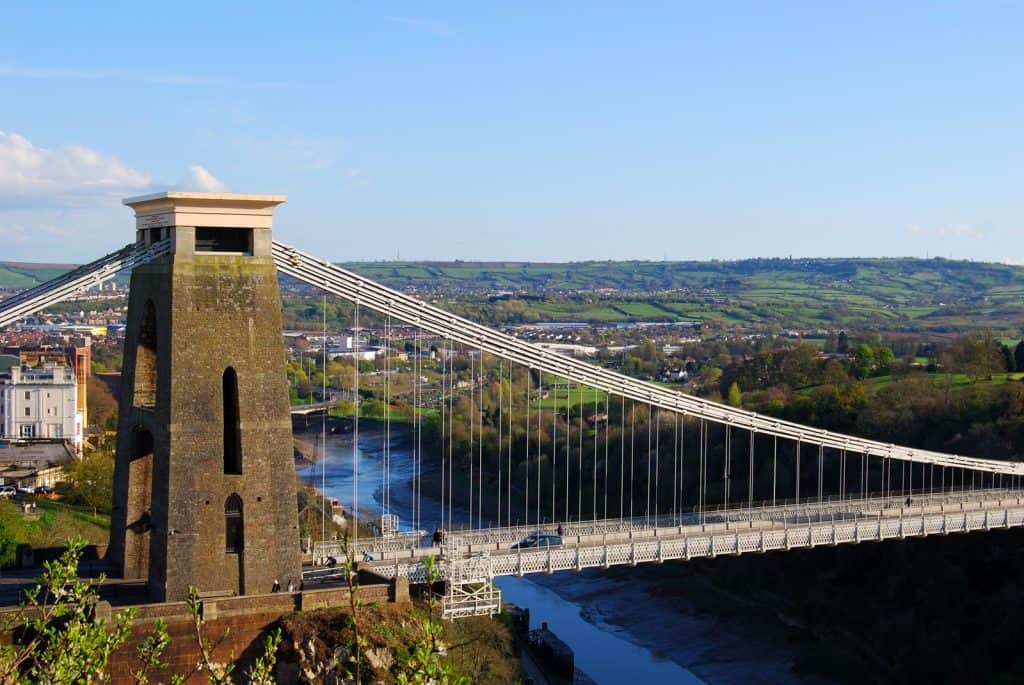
[
  {"x": 933, "y": 294},
  {"x": 880, "y": 294}
]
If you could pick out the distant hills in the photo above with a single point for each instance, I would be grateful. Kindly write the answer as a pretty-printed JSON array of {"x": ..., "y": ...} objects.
[
  {"x": 28, "y": 274},
  {"x": 897, "y": 293},
  {"x": 893, "y": 293}
]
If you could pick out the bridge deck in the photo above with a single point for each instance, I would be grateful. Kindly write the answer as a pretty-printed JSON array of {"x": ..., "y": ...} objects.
[{"x": 484, "y": 554}]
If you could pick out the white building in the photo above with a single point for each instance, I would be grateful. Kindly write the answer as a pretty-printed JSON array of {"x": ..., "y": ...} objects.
[{"x": 39, "y": 402}]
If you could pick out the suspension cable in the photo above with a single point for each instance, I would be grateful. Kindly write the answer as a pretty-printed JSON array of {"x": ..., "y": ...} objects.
[
  {"x": 702, "y": 494},
  {"x": 480, "y": 449},
  {"x": 607, "y": 439},
  {"x": 445, "y": 419},
  {"x": 750, "y": 476},
  {"x": 540, "y": 433},
  {"x": 657, "y": 460},
  {"x": 675, "y": 466},
  {"x": 417, "y": 401},
  {"x": 775, "y": 466},
  {"x": 469, "y": 455},
  {"x": 554, "y": 448},
  {"x": 526, "y": 436},
  {"x": 632, "y": 450},
  {"x": 568, "y": 434},
  {"x": 593, "y": 494},
  {"x": 821, "y": 462},
  {"x": 508, "y": 518},
  {"x": 622, "y": 458},
  {"x": 355, "y": 430},
  {"x": 385, "y": 463},
  {"x": 501, "y": 423},
  {"x": 682, "y": 465},
  {"x": 323, "y": 436},
  {"x": 579, "y": 466},
  {"x": 451, "y": 428},
  {"x": 798, "y": 471}
]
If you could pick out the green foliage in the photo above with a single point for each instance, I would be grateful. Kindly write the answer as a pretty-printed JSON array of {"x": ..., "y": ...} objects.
[
  {"x": 262, "y": 671},
  {"x": 92, "y": 480},
  {"x": 150, "y": 652},
  {"x": 977, "y": 356},
  {"x": 218, "y": 673},
  {"x": 426, "y": 664},
  {"x": 863, "y": 361},
  {"x": 884, "y": 358},
  {"x": 373, "y": 409},
  {"x": 8, "y": 546},
  {"x": 735, "y": 397},
  {"x": 64, "y": 642}
]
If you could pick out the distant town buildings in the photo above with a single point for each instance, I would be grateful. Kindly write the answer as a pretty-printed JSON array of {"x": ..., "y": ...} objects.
[{"x": 33, "y": 464}]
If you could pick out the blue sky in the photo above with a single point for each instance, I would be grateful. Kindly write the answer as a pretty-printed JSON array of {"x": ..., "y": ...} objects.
[{"x": 525, "y": 131}]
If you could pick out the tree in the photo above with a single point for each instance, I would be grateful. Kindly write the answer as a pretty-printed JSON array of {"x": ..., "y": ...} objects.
[
  {"x": 835, "y": 374},
  {"x": 863, "y": 361},
  {"x": 101, "y": 404},
  {"x": 735, "y": 397},
  {"x": 1018, "y": 356},
  {"x": 884, "y": 358},
  {"x": 976, "y": 356},
  {"x": 92, "y": 480},
  {"x": 1008, "y": 359},
  {"x": 8, "y": 547},
  {"x": 843, "y": 343},
  {"x": 373, "y": 409},
  {"x": 64, "y": 643}
]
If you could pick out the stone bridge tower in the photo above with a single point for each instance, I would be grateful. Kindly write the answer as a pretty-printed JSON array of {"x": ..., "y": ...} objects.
[{"x": 204, "y": 480}]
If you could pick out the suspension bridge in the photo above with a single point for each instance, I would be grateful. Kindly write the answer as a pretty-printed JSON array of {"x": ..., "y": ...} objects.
[{"x": 635, "y": 473}]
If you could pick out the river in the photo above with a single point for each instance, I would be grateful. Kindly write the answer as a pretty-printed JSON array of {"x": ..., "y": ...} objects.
[{"x": 622, "y": 623}]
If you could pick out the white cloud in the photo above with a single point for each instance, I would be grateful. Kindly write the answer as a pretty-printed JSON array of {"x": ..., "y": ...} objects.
[
  {"x": 960, "y": 231},
  {"x": 20, "y": 233},
  {"x": 68, "y": 175},
  {"x": 19, "y": 71},
  {"x": 968, "y": 231},
  {"x": 199, "y": 179}
]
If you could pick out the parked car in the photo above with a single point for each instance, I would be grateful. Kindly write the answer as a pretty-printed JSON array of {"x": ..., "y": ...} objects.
[
  {"x": 44, "y": 490},
  {"x": 7, "y": 491},
  {"x": 539, "y": 539},
  {"x": 26, "y": 490}
]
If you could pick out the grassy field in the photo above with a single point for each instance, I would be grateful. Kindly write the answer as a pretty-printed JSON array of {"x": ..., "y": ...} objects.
[
  {"x": 561, "y": 397},
  {"x": 52, "y": 523},
  {"x": 876, "y": 383}
]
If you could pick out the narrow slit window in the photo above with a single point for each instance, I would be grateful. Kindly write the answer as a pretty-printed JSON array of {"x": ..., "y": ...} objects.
[
  {"x": 232, "y": 424},
  {"x": 233, "y": 531}
]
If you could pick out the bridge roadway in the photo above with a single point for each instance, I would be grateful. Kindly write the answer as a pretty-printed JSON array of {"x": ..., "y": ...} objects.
[
  {"x": 478, "y": 555},
  {"x": 316, "y": 407}
]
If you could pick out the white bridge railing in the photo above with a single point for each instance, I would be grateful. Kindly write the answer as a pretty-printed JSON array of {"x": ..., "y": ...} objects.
[{"x": 981, "y": 511}]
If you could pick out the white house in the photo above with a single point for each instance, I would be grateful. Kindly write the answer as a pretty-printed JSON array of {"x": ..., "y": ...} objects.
[{"x": 39, "y": 402}]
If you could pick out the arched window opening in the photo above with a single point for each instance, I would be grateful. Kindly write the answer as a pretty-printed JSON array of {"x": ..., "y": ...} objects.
[
  {"x": 232, "y": 424},
  {"x": 145, "y": 360},
  {"x": 233, "y": 532}
]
